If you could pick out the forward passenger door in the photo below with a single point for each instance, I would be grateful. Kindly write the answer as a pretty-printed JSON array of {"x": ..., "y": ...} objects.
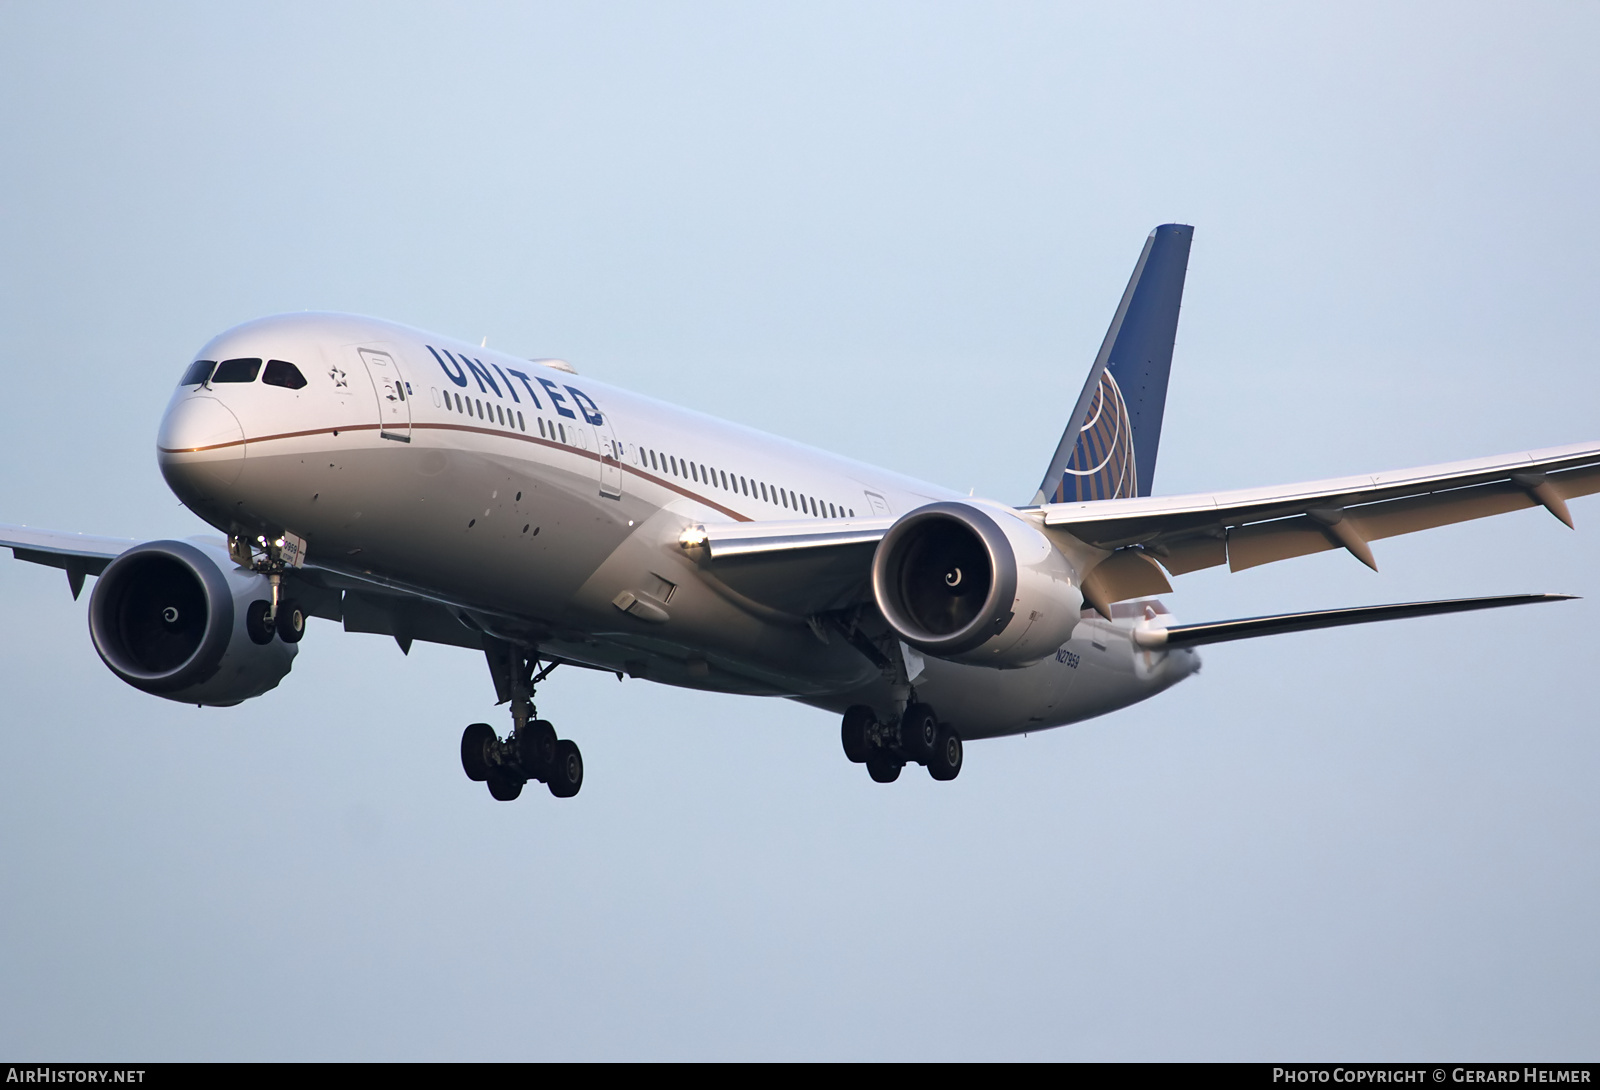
[
  {"x": 610, "y": 459},
  {"x": 394, "y": 406}
]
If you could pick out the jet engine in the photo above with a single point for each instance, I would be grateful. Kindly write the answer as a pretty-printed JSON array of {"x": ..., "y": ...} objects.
[
  {"x": 976, "y": 585},
  {"x": 168, "y": 617}
]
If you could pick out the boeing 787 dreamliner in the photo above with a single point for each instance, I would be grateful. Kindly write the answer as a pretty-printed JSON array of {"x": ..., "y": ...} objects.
[{"x": 400, "y": 482}]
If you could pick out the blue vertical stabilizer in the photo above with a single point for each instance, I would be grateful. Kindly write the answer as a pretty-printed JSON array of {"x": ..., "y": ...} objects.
[{"x": 1109, "y": 448}]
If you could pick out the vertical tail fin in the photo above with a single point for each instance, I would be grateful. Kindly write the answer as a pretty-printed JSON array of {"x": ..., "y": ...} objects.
[{"x": 1109, "y": 448}]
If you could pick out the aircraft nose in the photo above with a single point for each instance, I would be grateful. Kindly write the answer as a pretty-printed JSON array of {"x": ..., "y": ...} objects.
[{"x": 200, "y": 443}]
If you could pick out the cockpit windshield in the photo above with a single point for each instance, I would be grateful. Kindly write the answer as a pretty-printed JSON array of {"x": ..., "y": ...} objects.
[
  {"x": 278, "y": 373},
  {"x": 243, "y": 370},
  {"x": 283, "y": 373},
  {"x": 197, "y": 374}
]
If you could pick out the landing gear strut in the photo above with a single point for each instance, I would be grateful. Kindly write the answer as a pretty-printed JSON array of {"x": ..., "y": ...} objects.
[
  {"x": 885, "y": 748},
  {"x": 531, "y": 751}
]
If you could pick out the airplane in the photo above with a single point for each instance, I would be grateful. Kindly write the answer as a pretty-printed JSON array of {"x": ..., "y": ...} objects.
[{"x": 409, "y": 484}]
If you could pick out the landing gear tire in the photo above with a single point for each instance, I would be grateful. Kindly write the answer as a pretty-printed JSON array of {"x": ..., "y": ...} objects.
[
  {"x": 504, "y": 788},
  {"x": 255, "y": 622},
  {"x": 291, "y": 623},
  {"x": 945, "y": 764},
  {"x": 536, "y": 749},
  {"x": 858, "y": 722},
  {"x": 919, "y": 733},
  {"x": 566, "y": 771},
  {"x": 883, "y": 768},
  {"x": 475, "y": 741}
]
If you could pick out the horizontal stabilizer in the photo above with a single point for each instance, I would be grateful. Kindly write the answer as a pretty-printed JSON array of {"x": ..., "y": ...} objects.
[{"x": 1192, "y": 635}]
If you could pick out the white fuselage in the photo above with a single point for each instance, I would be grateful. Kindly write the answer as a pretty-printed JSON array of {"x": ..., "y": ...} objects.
[{"x": 534, "y": 498}]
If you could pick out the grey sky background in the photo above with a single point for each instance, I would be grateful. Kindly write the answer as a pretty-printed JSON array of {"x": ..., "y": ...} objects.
[{"x": 896, "y": 231}]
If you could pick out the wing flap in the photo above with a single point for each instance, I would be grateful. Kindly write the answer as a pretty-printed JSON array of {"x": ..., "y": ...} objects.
[
  {"x": 1283, "y": 539},
  {"x": 731, "y": 539},
  {"x": 803, "y": 583}
]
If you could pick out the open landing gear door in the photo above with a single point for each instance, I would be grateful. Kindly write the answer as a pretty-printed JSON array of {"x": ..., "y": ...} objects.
[{"x": 394, "y": 406}]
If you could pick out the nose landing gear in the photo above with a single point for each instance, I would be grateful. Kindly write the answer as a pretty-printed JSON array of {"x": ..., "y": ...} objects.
[
  {"x": 531, "y": 751},
  {"x": 279, "y": 615},
  {"x": 885, "y": 748}
]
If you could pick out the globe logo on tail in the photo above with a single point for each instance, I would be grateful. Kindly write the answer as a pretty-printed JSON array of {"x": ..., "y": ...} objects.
[{"x": 1102, "y": 465}]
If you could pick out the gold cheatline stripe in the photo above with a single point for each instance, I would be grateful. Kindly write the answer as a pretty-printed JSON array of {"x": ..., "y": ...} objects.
[{"x": 534, "y": 439}]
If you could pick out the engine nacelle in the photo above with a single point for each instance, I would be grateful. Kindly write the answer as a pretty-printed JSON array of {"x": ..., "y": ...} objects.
[
  {"x": 168, "y": 617},
  {"x": 976, "y": 585}
]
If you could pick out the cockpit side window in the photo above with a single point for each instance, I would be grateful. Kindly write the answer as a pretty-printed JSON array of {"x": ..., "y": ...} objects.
[
  {"x": 197, "y": 374},
  {"x": 283, "y": 373},
  {"x": 237, "y": 371}
]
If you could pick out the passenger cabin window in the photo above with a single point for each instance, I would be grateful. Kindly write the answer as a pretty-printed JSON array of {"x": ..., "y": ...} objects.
[
  {"x": 283, "y": 373},
  {"x": 197, "y": 374}
]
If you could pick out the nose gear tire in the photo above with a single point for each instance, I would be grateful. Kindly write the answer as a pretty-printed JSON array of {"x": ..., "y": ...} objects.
[
  {"x": 255, "y": 622},
  {"x": 291, "y": 624}
]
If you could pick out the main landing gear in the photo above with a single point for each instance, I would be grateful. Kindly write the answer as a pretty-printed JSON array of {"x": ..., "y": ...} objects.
[
  {"x": 885, "y": 748},
  {"x": 531, "y": 751}
]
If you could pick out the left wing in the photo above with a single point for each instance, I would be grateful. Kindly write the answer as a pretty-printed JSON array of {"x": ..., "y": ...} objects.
[{"x": 1260, "y": 525}]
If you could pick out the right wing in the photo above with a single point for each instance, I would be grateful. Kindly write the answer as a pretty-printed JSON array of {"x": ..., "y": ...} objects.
[
  {"x": 794, "y": 567},
  {"x": 360, "y": 602},
  {"x": 78, "y": 554}
]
